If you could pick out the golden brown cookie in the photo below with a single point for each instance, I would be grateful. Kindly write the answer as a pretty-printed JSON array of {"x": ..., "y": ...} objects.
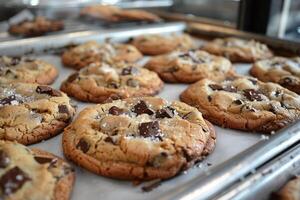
[
  {"x": 93, "y": 52},
  {"x": 238, "y": 50},
  {"x": 27, "y": 70},
  {"x": 284, "y": 71},
  {"x": 33, "y": 174},
  {"x": 30, "y": 113},
  {"x": 244, "y": 103},
  {"x": 190, "y": 66},
  {"x": 290, "y": 191},
  {"x": 38, "y": 26},
  {"x": 103, "y": 82},
  {"x": 160, "y": 44},
  {"x": 138, "y": 138}
]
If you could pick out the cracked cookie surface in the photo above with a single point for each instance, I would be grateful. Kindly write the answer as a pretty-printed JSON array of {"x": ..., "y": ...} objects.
[
  {"x": 36, "y": 27},
  {"x": 33, "y": 174},
  {"x": 161, "y": 44},
  {"x": 138, "y": 138},
  {"x": 238, "y": 50},
  {"x": 103, "y": 82},
  {"x": 244, "y": 103},
  {"x": 284, "y": 71},
  {"x": 93, "y": 52},
  {"x": 30, "y": 113},
  {"x": 190, "y": 66},
  {"x": 27, "y": 70}
]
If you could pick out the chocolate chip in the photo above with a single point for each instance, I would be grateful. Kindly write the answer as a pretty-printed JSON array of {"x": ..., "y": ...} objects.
[
  {"x": 44, "y": 160},
  {"x": 253, "y": 81},
  {"x": 113, "y": 85},
  {"x": 277, "y": 93},
  {"x": 132, "y": 82},
  {"x": 8, "y": 100},
  {"x": 83, "y": 145},
  {"x": 142, "y": 108},
  {"x": 4, "y": 159},
  {"x": 63, "y": 109},
  {"x": 114, "y": 110},
  {"x": 209, "y": 98},
  {"x": 129, "y": 71},
  {"x": 238, "y": 102},
  {"x": 13, "y": 180},
  {"x": 109, "y": 140},
  {"x": 167, "y": 112},
  {"x": 15, "y": 60},
  {"x": 73, "y": 77},
  {"x": 187, "y": 156},
  {"x": 191, "y": 54},
  {"x": 287, "y": 81},
  {"x": 150, "y": 129},
  {"x": 253, "y": 95},
  {"x": 42, "y": 89},
  {"x": 29, "y": 60},
  {"x": 227, "y": 88}
]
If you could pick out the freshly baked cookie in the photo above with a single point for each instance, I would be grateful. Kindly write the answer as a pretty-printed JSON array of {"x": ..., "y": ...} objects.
[
  {"x": 115, "y": 14},
  {"x": 138, "y": 138},
  {"x": 93, "y": 52},
  {"x": 103, "y": 82},
  {"x": 33, "y": 174},
  {"x": 28, "y": 70},
  {"x": 244, "y": 103},
  {"x": 238, "y": 50},
  {"x": 290, "y": 191},
  {"x": 190, "y": 66},
  {"x": 30, "y": 113},
  {"x": 36, "y": 27},
  {"x": 160, "y": 44},
  {"x": 284, "y": 71}
]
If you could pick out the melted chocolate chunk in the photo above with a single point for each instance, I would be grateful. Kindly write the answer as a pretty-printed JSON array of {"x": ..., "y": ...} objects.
[
  {"x": 150, "y": 129},
  {"x": 253, "y": 95},
  {"x": 167, "y": 112},
  {"x": 4, "y": 159},
  {"x": 142, "y": 108},
  {"x": 228, "y": 88},
  {"x": 8, "y": 100},
  {"x": 191, "y": 54},
  {"x": 114, "y": 110},
  {"x": 15, "y": 60},
  {"x": 132, "y": 82},
  {"x": 129, "y": 71},
  {"x": 83, "y": 145},
  {"x": 209, "y": 98},
  {"x": 287, "y": 81},
  {"x": 13, "y": 180},
  {"x": 42, "y": 89},
  {"x": 109, "y": 140},
  {"x": 238, "y": 102},
  {"x": 63, "y": 109},
  {"x": 73, "y": 77},
  {"x": 113, "y": 85},
  {"x": 44, "y": 160},
  {"x": 277, "y": 93}
]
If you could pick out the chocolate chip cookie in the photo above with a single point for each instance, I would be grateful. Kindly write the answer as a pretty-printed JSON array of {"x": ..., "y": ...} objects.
[
  {"x": 30, "y": 113},
  {"x": 284, "y": 71},
  {"x": 27, "y": 70},
  {"x": 190, "y": 66},
  {"x": 37, "y": 27},
  {"x": 160, "y": 44},
  {"x": 244, "y": 103},
  {"x": 238, "y": 50},
  {"x": 290, "y": 191},
  {"x": 103, "y": 82},
  {"x": 93, "y": 52},
  {"x": 33, "y": 174},
  {"x": 138, "y": 138}
]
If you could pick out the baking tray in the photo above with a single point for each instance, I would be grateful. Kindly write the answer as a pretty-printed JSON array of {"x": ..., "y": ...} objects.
[{"x": 228, "y": 163}]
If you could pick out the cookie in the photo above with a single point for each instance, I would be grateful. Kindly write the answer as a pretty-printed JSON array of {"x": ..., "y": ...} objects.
[
  {"x": 138, "y": 138},
  {"x": 161, "y": 44},
  {"x": 93, "y": 52},
  {"x": 137, "y": 15},
  {"x": 238, "y": 50},
  {"x": 284, "y": 71},
  {"x": 37, "y": 27},
  {"x": 33, "y": 174},
  {"x": 102, "y": 82},
  {"x": 290, "y": 191},
  {"x": 244, "y": 103},
  {"x": 27, "y": 70},
  {"x": 30, "y": 113},
  {"x": 190, "y": 66}
]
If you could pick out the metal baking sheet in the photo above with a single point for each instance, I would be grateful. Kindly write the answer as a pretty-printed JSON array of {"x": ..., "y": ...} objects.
[{"x": 230, "y": 143}]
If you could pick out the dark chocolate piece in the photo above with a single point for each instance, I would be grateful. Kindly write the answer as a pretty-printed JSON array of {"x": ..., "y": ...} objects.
[
  {"x": 63, "y": 109},
  {"x": 150, "y": 129},
  {"x": 129, "y": 71},
  {"x": 83, "y": 145},
  {"x": 114, "y": 110},
  {"x": 167, "y": 112},
  {"x": 42, "y": 89},
  {"x": 142, "y": 108},
  {"x": 253, "y": 95}
]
